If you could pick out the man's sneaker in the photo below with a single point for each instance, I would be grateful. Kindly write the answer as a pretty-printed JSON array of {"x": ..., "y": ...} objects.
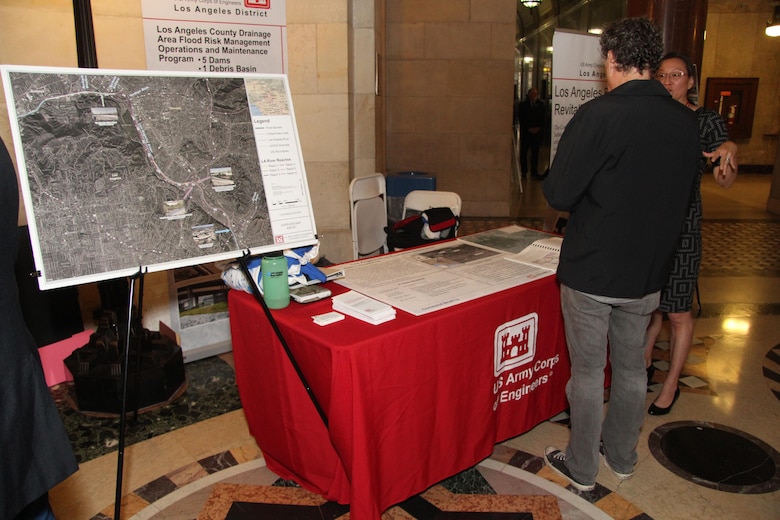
[
  {"x": 620, "y": 476},
  {"x": 556, "y": 459}
]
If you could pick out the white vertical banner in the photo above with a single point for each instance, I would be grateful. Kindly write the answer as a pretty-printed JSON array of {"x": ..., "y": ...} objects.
[
  {"x": 222, "y": 36},
  {"x": 578, "y": 76}
]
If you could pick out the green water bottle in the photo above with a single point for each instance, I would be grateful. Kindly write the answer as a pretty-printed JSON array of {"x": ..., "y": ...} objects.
[{"x": 276, "y": 291}]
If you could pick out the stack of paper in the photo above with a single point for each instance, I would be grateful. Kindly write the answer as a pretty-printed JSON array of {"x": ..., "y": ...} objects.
[
  {"x": 327, "y": 318},
  {"x": 363, "y": 308}
]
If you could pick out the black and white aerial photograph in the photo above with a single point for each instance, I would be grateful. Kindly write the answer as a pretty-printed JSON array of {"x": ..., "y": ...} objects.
[{"x": 129, "y": 171}]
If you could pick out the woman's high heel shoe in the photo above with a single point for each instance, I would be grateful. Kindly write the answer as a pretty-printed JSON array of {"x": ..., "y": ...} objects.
[{"x": 657, "y": 410}]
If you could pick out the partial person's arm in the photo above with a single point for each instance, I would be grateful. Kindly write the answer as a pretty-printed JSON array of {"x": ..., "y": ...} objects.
[
  {"x": 725, "y": 159},
  {"x": 572, "y": 169}
]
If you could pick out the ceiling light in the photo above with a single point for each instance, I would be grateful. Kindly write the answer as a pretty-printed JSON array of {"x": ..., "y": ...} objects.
[
  {"x": 530, "y": 4},
  {"x": 773, "y": 27}
]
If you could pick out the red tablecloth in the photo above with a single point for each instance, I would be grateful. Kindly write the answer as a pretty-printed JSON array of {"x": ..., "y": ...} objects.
[{"x": 409, "y": 402}]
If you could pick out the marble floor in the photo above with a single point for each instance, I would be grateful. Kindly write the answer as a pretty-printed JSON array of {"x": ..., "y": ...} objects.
[{"x": 731, "y": 384}]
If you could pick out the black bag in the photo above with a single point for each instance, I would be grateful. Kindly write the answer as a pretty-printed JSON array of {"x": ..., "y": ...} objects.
[
  {"x": 429, "y": 226},
  {"x": 439, "y": 223}
]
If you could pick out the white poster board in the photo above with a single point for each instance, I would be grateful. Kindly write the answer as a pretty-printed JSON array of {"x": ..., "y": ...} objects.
[
  {"x": 224, "y": 36},
  {"x": 123, "y": 171},
  {"x": 578, "y": 77}
]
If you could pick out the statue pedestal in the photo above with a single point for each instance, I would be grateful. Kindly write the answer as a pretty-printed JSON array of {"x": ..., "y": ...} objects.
[{"x": 155, "y": 373}]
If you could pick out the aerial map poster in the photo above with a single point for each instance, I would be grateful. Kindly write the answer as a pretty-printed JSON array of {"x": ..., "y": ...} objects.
[{"x": 128, "y": 171}]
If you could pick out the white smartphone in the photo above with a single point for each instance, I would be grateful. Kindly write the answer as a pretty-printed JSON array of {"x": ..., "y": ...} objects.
[{"x": 309, "y": 293}]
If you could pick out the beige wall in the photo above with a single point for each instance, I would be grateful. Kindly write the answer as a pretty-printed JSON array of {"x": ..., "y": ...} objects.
[
  {"x": 773, "y": 204},
  {"x": 736, "y": 47},
  {"x": 448, "y": 94},
  {"x": 53, "y": 43}
]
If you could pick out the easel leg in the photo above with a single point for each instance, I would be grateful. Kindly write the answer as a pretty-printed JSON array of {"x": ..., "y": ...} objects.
[
  {"x": 139, "y": 321},
  {"x": 123, "y": 413},
  {"x": 259, "y": 298}
]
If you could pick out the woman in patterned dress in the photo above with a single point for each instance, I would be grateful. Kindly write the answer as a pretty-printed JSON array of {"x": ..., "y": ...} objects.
[{"x": 677, "y": 74}]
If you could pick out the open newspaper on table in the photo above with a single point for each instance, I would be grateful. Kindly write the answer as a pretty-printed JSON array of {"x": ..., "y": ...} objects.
[{"x": 444, "y": 274}]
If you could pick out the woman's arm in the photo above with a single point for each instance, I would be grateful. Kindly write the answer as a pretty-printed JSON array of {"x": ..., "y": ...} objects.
[{"x": 725, "y": 160}]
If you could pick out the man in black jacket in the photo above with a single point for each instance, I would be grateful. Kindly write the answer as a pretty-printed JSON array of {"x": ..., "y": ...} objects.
[{"x": 624, "y": 169}]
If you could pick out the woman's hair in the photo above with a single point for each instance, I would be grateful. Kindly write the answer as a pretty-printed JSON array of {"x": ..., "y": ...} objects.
[
  {"x": 689, "y": 68},
  {"x": 634, "y": 42}
]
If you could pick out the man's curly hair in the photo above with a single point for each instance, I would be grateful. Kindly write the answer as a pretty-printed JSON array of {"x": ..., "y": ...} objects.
[{"x": 635, "y": 42}]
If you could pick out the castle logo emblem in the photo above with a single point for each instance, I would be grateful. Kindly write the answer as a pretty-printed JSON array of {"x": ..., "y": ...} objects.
[
  {"x": 515, "y": 343},
  {"x": 262, "y": 4}
]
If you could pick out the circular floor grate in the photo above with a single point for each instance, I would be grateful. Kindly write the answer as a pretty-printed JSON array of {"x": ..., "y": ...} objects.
[{"x": 717, "y": 457}]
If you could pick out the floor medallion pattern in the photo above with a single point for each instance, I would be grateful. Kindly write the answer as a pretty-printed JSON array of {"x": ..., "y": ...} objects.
[{"x": 511, "y": 484}]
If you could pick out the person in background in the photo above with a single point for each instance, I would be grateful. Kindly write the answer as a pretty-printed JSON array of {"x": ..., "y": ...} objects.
[
  {"x": 677, "y": 74},
  {"x": 34, "y": 447},
  {"x": 531, "y": 115},
  {"x": 625, "y": 216}
]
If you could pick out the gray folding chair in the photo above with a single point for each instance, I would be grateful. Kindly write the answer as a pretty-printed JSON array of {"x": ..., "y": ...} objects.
[{"x": 368, "y": 204}]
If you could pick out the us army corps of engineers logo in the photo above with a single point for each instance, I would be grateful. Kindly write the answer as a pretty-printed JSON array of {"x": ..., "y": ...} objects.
[
  {"x": 515, "y": 343},
  {"x": 518, "y": 372}
]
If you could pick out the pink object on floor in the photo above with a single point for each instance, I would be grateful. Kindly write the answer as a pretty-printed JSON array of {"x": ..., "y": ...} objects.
[{"x": 53, "y": 357}]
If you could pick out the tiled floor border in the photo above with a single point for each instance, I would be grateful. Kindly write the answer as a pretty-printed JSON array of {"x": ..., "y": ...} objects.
[{"x": 599, "y": 504}]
